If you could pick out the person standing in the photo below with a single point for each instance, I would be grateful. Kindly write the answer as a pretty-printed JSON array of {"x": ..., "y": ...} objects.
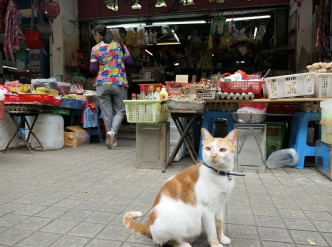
[{"x": 108, "y": 58}]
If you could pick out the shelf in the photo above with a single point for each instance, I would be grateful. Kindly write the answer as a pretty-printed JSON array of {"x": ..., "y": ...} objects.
[
  {"x": 285, "y": 100},
  {"x": 142, "y": 80}
]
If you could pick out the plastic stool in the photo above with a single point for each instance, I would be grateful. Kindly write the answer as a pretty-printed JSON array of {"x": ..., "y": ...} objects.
[
  {"x": 95, "y": 131},
  {"x": 298, "y": 137},
  {"x": 207, "y": 124},
  {"x": 74, "y": 113}
]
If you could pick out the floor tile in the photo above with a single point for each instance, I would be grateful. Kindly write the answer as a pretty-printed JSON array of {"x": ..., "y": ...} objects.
[
  {"x": 59, "y": 226},
  {"x": 100, "y": 217},
  {"x": 39, "y": 239},
  {"x": 301, "y": 237},
  {"x": 274, "y": 234},
  {"x": 242, "y": 231},
  {"x": 292, "y": 213},
  {"x": 70, "y": 241},
  {"x": 76, "y": 214},
  {"x": 85, "y": 229},
  {"x": 52, "y": 212},
  {"x": 10, "y": 220},
  {"x": 33, "y": 223},
  {"x": 114, "y": 232},
  {"x": 277, "y": 244},
  {"x": 103, "y": 243},
  {"x": 323, "y": 226},
  {"x": 29, "y": 210},
  {"x": 12, "y": 236},
  {"x": 299, "y": 224},
  {"x": 269, "y": 221}
]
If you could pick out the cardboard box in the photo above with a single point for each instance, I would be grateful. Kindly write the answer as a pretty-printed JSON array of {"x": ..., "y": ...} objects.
[{"x": 75, "y": 136}]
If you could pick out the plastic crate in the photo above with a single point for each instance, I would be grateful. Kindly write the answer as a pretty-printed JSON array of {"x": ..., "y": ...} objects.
[
  {"x": 146, "y": 111},
  {"x": 323, "y": 85},
  {"x": 274, "y": 137},
  {"x": 72, "y": 103},
  {"x": 290, "y": 85},
  {"x": 11, "y": 97},
  {"x": 173, "y": 87},
  {"x": 254, "y": 87},
  {"x": 206, "y": 93},
  {"x": 30, "y": 98},
  {"x": 2, "y": 109},
  {"x": 289, "y": 108}
]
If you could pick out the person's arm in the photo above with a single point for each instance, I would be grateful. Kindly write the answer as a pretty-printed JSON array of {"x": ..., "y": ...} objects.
[
  {"x": 127, "y": 57},
  {"x": 93, "y": 62}
]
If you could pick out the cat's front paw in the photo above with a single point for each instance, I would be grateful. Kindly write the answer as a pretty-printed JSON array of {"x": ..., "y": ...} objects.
[{"x": 225, "y": 240}]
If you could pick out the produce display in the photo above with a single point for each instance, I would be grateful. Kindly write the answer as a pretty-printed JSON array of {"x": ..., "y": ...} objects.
[{"x": 320, "y": 67}]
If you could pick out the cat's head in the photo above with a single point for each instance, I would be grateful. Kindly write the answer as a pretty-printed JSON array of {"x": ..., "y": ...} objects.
[{"x": 219, "y": 152}]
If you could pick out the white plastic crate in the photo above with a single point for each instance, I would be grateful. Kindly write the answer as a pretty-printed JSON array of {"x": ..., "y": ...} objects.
[
  {"x": 290, "y": 85},
  {"x": 206, "y": 93},
  {"x": 323, "y": 85}
]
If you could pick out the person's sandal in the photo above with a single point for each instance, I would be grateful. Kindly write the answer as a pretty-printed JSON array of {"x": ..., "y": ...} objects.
[{"x": 109, "y": 139}]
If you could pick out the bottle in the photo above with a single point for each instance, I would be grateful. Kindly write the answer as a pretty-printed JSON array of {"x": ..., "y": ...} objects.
[
  {"x": 142, "y": 95},
  {"x": 151, "y": 93},
  {"x": 157, "y": 94},
  {"x": 163, "y": 93},
  {"x": 281, "y": 158}
]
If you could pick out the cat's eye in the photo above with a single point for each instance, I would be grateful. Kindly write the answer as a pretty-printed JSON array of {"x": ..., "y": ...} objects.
[
  {"x": 208, "y": 149},
  {"x": 222, "y": 150}
]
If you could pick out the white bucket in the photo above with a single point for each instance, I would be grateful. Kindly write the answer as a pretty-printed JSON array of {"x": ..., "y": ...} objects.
[
  {"x": 7, "y": 130},
  {"x": 326, "y": 121},
  {"x": 49, "y": 129}
]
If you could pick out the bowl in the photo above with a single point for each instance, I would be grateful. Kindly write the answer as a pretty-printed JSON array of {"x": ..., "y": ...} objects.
[
  {"x": 248, "y": 118},
  {"x": 185, "y": 105}
]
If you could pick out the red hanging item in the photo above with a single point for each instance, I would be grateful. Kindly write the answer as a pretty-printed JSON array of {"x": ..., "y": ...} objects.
[
  {"x": 11, "y": 40},
  {"x": 51, "y": 9},
  {"x": 32, "y": 39},
  {"x": 298, "y": 2}
]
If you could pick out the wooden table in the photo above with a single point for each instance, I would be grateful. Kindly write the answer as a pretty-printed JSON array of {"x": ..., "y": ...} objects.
[{"x": 183, "y": 131}]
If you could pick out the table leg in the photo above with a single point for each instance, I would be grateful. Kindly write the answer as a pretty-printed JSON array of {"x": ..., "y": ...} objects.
[
  {"x": 31, "y": 132},
  {"x": 18, "y": 126},
  {"x": 183, "y": 132}
]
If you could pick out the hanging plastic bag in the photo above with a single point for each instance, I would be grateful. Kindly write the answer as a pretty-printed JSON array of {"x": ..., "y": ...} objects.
[{"x": 218, "y": 25}]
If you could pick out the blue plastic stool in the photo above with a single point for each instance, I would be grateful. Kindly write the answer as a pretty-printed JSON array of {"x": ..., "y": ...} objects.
[
  {"x": 95, "y": 131},
  {"x": 207, "y": 124},
  {"x": 299, "y": 131},
  {"x": 74, "y": 113}
]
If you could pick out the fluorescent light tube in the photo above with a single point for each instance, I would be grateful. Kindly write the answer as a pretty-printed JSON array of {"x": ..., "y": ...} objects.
[
  {"x": 255, "y": 32},
  {"x": 149, "y": 52},
  {"x": 9, "y": 67},
  {"x": 178, "y": 23},
  {"x": 133, "y": 25},
  {"x": 246, "y": 18},
  {"x": 175, "y": 35}
]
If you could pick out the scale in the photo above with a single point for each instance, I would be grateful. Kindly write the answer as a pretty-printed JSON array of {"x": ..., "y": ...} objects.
[{"x": 251, "y": 144}]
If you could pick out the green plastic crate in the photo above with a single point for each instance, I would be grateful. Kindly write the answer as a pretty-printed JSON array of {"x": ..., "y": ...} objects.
[
  {"x": 146, "y": 111},
  {"x": 274, "y": 137}
]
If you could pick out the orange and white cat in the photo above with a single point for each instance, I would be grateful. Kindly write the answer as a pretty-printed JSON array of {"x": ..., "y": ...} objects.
[{"x": 193, "y": 201}]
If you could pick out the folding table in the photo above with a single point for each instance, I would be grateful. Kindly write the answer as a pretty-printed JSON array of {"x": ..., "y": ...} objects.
[
  {"x": 184, "y": 130},
  {"x": 22, "y": 110}
]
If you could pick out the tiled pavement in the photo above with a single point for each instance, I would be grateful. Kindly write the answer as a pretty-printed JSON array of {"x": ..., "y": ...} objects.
[{"x": 77, "y": 197}]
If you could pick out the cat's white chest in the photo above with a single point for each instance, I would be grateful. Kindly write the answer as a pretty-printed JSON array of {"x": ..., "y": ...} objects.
[{"x": 212, "y": 189}]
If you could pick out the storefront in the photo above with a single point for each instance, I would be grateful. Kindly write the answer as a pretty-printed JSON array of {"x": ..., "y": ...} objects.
[{"x": 218, "y": 38}]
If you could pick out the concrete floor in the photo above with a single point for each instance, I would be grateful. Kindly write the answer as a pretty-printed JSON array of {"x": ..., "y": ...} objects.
[{"x": 77, "y": 197}]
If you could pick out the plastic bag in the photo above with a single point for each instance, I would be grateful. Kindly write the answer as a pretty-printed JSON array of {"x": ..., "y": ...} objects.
[
  {"x": 281, "y": 158},
  {"x": 48, "y": 83},
  {"x": 63, "y": 88}
]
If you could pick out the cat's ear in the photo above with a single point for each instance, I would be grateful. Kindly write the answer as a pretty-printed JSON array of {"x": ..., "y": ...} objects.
[
  {"x": 205, "y": 134},
  {"x": 232, "y": 137}
]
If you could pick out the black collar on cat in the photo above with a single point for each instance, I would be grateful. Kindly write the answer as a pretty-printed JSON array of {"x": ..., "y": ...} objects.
[{"x": 222, "y": 173}]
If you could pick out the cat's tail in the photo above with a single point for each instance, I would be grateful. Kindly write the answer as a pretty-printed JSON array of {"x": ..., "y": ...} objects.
[{"x": 128, "y": 221}]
